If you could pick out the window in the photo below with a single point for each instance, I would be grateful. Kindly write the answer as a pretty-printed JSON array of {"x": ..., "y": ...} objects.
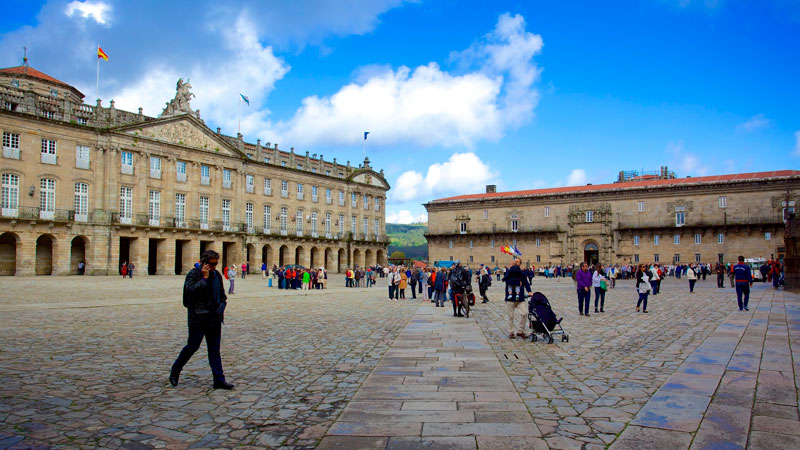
[
  {"x": 81, "y": 202},
  {"x": 680, "y": 219},
  {"x": 155, "y": 167},
  {"x": 698, "y": 259},
  {"x": 676, "y": 239},
  {"x": 470, "y": 244},
  {"x": 470, "y": 258},
  {"x": 327, "y": 173},
  {"x": 180, "y": 210},
  {"x": 205, "y": 175},
  {"x": 767, "y": 235},
  {"x": 226, "y": 214},
  {"x": 377, "y": 204},
  {"x": 203, "y": 212},
  {"x": 283, "y": 163},
  {"x": 82, "y": 156},
  {"x": 328, "y": 225},
  {"x": 313, "y": 170},
  {"x": 314, "y": 224},
  {"x": 267, "y": 186},
  {"x": 50, "y": 114},
  {"x": 283, "y": 216},
  {"x": 267, "y": 218},
  {"x": 514, "y": 243},
  {"x": 656, "y": 239},
  {"x": 54, "y": 93},
  {"x": 451, "y": 243},
  {"x": 154, "y": 208},
  {"x": 328, "y": 196},
  {"x": 125, "y": 204},
  {"x": 640, "y": 206},
  {"x": 697, "y": 239},
  {"x": 788, "y": 208},
  {"x": 10, "y": 194},
  {"x": 656, "y": 258},
  {"x": 451, "y": 258},
  {"x": 49, "y": 151},
  {"x": 365, "y": 202},
  {"x": 365, "y": 227},
  {"x": 341, "y": 198},
  {"x": 299, "y": 167},
  {"x": 676, "y": 258},
  {"x": 723, "y": 202},
  {"x": 341, "y": 225},
  {"x": 636, "y": 258},
  {"x": 47, "y": 199},
  {"x": 226, "y": 178},
  {"x": 538, "y": 258},
  {"x": 341, "y": 175},
  {"x": 248, "y": 216},
  {"x": 485, "y": 214},
  {"x": 492, "y": 258},
  {"x": 284, "y": 188},
  {"x": 126, "y": 162},
  {"x": 249, "y": 183},
  {"x": 463, "y": 227},
  {"x": 491, "y": 243},
  {"x": 636, "y": 240},
  {"x": 314, "y": 193},
  {"x": 353, "y": 225},
  {"x": 15, "y": 83},
  {"x": 514, "y": 225},
  {"x": 376, "y": 225},
  {"x": 299, "y": 222},
  {"x": 589, "y": 216},
  {"x": 547, "y": 211},
  {"x": 720, "y": 238},
  {"x": 180, "y": 171},
  {"x": 10, "y": 145},
  {"x": 266, "y": 160},
  {"x": 538, "y": 242},
  {"x": 299, "y": 191},
  {"x": 354, "y": 200}
]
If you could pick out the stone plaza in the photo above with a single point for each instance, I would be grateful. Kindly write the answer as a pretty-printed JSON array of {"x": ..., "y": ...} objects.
[{"x": 85, "y": 360}]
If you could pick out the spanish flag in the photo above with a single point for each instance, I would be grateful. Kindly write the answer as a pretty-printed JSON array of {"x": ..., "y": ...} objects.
[{"x": 101, "y": 53}]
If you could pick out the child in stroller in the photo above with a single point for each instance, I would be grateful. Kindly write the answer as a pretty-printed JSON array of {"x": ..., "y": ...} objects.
[{"x": 543, "y": 320}]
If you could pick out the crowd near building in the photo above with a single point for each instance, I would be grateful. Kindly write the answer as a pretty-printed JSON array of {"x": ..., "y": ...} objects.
[
  {"x": 98, "y": 185},
  {"x": 652, "y": 218}
]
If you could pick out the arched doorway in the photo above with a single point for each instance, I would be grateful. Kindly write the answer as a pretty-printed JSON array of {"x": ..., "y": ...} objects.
[
  {"x": 315, "y": 261},
  {"x": 380, "y": 257},
  {"x": 342, "y": 261},
  {"x": 299, "y": 258},
  {"x": 283, "y": 253},
  {"x": 251, "y": 259},
  {"x": 328, "y": 259},
  {"x": 357, "y": 258},
  {"x": 591, "y": 254},
  {"x": 266, "y": 253},
  {"x": 77, "y": 253},
  {"x": 368, "y": 258},
  {"x": 8, "y": 253},
  {"x": 44, "y": 255}
]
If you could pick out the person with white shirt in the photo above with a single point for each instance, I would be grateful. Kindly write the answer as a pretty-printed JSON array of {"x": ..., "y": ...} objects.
[
  {"x": 643, "y": 286},
  {"x": 597, "y": 283}
]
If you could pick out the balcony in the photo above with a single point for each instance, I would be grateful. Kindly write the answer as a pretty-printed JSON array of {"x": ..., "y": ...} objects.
[
  {"x": 203, "y": 225},
  {"x": 127, "y": 169},
  {"x": 10, "y": 212},
  {"x": 82, "y": 163},
  {"x": 328, "y": 236},
  {"x": 299, "y": 233},
  {"x": 49, "y": 158},
  {"x": 284, "y": 233},
  {"x": 266, "y": 230},
  {"x": 299, "y": 195},
  {"x": 285, "y": 194},
  {"x": 179, "y": 222},
  {"x": 226, "y": 184},
  {"x": 314, "y": 234},
  {"x": 205, "y": 180},
  {"x": 154, "y": 221},
  {"x": 47, "y": 215},
  {"x": 267, "y": 191},
  {"x": 10, "y": 153},
  {"x": 249, "y": 188},
  {"x": 251, "y": 230},
  {"x": 81, "y": 217},
  {"x": 181, "y": 177},
  {"x": 155, "y": 173}
]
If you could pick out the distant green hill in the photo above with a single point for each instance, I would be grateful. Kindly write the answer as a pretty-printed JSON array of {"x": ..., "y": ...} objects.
[{"x": 409, "y": 239}]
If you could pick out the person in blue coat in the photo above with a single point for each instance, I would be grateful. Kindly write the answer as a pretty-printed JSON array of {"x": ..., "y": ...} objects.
[
  {"x": 516, "y": 285},
  {"x": 744, "y": 280}
]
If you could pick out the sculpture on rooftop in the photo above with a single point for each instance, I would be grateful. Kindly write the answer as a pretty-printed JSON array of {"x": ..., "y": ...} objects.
[{"x": 180, "y": 104}]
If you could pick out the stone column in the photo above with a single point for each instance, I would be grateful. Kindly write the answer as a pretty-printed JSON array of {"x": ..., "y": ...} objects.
[
  {"x": 26, "y": 253},
  {"x": 191, "y": 254},
  {"x": 62, "y": 253},
  {"x": 166, "y": 256}
]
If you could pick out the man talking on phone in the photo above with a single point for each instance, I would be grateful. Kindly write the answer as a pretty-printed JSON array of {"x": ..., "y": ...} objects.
[{"x": 204, "y": 298}]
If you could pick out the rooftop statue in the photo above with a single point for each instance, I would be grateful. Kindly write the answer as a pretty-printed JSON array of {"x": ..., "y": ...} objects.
[{"x": 180, "y": 104}]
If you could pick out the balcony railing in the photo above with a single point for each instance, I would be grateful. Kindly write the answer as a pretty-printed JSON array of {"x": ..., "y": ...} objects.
[
  {"x": 251, "y": 230},
  {"x": 203, "y": 225},
  {"x": 266, "y": 230},
  {"x": 127, "y": 169},
  {"x": 49, "y": 158},
  {"x": 154, "y": 221},
  {"x": 34, "y": 213},
  {"x": 299, "y": 233},
  {"x": 81, "y": 217},
  {"x": 284, "y": 232},
  {"x": 155, "y": 173},
  {"x": 314, "y": 234},
  {"x": 10, "y": 212},
  {"x": 180, "y": 177},
  {"x": 328, "y": 236},
  {"x": 82, "y": 163},
  {"x": 10, "y": 153}
]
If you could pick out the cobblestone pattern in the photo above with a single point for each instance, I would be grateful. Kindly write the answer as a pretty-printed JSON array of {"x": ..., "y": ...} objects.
[{"x": 97, "y": 377}]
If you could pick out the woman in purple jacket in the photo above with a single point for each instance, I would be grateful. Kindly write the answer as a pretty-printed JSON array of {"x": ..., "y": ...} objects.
[{"x": 584, "y": 280}]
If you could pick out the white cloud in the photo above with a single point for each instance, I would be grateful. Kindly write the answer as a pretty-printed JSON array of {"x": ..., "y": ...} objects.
[
  {"x": 405, "y": 216},
  {"x": 463, "y": 173},
  {"x": 797, "y": 143},
  {"x": 686, "y": 161},
  {"x": 754, "y": 123},
  {"x": 576, "y": 178},
  {"x": 98, "y": 11},
  {"x": 429, "y": 106}
]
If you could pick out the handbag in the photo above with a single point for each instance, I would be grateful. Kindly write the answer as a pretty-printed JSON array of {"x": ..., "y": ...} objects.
[{"x": 603, "y": 285}]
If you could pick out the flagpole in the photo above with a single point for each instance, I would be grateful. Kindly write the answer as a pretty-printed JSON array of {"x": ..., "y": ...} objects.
[
  {"x": 239, "y": 127},
  {"x": 364, "y": 149},
  {"x": 97, "y": 86}
]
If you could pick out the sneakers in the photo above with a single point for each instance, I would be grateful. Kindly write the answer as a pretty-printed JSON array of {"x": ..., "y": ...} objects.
[
  {"x": 746, "y": 308},
  {"x": 511, "y": 336}
]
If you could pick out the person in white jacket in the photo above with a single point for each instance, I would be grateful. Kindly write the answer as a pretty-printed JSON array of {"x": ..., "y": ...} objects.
[
  {"x": 643, "y": 286},
  {"x": 597, "y": 283},
  {"x": 691, "y": 275}
]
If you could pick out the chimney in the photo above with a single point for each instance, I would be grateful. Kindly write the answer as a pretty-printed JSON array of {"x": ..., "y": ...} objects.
[{"x": 491, "y": 188}]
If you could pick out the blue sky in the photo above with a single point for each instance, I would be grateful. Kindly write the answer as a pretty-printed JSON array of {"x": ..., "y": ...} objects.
[{"x": 455, "y": 94}]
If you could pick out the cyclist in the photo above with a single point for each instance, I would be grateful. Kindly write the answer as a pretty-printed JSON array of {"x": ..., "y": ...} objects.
[{"x": 459, "y": 279}]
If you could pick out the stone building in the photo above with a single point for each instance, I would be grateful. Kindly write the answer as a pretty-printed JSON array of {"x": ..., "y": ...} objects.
[
  {"x": 102, "y": 185},
  {"x": 648, "y": 219}
]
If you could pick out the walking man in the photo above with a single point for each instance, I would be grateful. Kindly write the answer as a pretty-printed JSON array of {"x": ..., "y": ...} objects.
[
  {"x": 204, "y": 297},
  {"x": 744, "y": 279},
  {"x": 516, "y": 285},
  {"x": 584, "y": 281},
  {"x": 720, "y": 269}
]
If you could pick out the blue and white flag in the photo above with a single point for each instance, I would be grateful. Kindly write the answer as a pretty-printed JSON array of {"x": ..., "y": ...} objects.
[
  {"x": 245, "y": 99},
  {"x": 516, "y": 251},
  {"x": 365, "y": 135}
]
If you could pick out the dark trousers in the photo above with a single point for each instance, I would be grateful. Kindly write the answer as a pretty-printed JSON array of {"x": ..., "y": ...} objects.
[
  {"x": 642, "y": 299},
  {"x": 391, "y": 291},
  {"x": 430, "y": 292},
  {"x": 457, "y": 305},
  {"x": 213, "y": 335},
  {"x": 720, "y": 280},
  {"x": 584, "y": 298},
  {"x": 413, "y": 290},
  {"x": 599, "y": 294},
  {"x": 742, "y": 290},
  {"x": 654, "y": 287},
  {"x": 691, "y": 285}
]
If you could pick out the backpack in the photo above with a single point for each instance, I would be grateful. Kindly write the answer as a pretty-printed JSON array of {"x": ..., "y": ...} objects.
[{"x": 430, "y": 281}]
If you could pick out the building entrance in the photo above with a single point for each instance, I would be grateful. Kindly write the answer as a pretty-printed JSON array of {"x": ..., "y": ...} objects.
[{"x": 591, "y": 254}]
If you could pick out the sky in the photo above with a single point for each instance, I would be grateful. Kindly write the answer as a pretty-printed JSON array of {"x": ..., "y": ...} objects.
[{"x": 455, "y": 94}]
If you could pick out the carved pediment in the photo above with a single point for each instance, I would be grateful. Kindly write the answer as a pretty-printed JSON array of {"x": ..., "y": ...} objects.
[
  {"x": 185, "y": 130},
  {"x": 370, "y": 178}
]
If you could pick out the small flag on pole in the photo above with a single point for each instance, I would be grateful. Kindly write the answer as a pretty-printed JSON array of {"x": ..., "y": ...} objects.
[
  {"x": 245, "y": 99},
  {"x": 516, "y": 251},
  {"x": 365, "y": 135},
  {"x": 101, "y": 54}
]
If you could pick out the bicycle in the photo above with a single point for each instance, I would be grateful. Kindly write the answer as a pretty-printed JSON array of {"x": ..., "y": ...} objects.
[{"x": 459, "y": 299}]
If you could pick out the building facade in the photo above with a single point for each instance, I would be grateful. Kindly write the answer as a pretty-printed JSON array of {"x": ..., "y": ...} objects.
[
  {"x": 664, "y": 220},
  {"x": 96, "y": 184}
]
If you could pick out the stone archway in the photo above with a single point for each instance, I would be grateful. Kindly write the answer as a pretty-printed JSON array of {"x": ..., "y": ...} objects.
[
  {"x": 591, "y": 252},
  {"x": 283, "y": 254},
  {"x": 380, "y": 257},
  {"x": 266, "y": 256},
  {"x": 299, "y": 257},
  {"x": 315, "y": 258},
  {"x": 329, "y": 259},
  {"x": 77, "y": 253},
  {"x": 341, "y": 262},
  {"x": 8, "y": 253},
  {"x": 358, "y": 258},
  {"x": 44, "y": 254},
  {"x": 368, "y": 258},
  {"x": 251, "y": 259}
]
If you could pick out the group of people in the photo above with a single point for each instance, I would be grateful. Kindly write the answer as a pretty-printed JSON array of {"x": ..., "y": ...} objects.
[
  {"x": 126, "y": 269},
  {"x": 295, "y": 277}
]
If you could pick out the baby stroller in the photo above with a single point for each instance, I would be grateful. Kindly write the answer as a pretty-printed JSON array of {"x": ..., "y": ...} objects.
[{"x": 543, "y": 320}]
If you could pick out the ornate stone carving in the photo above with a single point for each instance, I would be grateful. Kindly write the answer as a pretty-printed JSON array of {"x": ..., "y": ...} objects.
[
  {"x": 180, "y": 104},
  {"x": 688, "y": 204}
]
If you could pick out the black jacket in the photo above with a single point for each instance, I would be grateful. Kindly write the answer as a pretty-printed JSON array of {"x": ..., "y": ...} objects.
[
  {"x": 516, "y": 284},
  {"x": 204, "y": 299}
]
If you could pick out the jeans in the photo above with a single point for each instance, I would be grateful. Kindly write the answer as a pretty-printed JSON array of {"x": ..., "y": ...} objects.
[
  {"x": 413, "y": 290},
  {"x": 213, "y": 335},
  {"x": 742, "y": 290},
  {"x": 691, "y": 285},
  {"x": 642, "y": 298},
  {"x": 230, "y": 289},
  {"x": 584, "y": 297},
  {"x": 391, "y": 291},
  {"x": 438, "y": 297},
  {"x": 599, "y": 294},
  {"x": 720, "y": 280}
]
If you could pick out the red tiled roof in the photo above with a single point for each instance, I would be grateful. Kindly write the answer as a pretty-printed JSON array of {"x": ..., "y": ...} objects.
[
  {"x": 627, "y": 185},
  {"x": 31, "y": 72}
]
